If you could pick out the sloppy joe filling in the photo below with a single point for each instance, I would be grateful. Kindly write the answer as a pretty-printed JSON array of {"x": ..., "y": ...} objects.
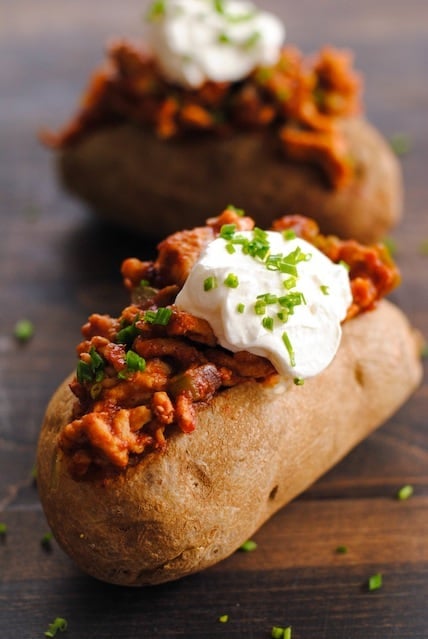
[
  {"x": 300, "y": 99},
  {"x": 142, "y": 376}
]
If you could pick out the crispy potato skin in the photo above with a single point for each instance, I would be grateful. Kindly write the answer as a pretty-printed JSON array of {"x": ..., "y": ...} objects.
[
  {"x": 131, "y": 178},
  {"x": 254, "y": 449}
]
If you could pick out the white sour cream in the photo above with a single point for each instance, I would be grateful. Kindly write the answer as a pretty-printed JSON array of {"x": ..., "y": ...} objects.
[
  {"x": 297, "y": 326},
  {"x": 220, "y": 40}
]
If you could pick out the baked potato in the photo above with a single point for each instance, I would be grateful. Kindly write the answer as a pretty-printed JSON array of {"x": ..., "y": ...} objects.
[
  {"x": 246, "y": 443},
  {"x": 133, "y": 179}
]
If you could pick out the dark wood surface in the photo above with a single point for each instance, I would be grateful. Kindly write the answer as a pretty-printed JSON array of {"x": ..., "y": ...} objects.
[{"x": 57, "y": 265}]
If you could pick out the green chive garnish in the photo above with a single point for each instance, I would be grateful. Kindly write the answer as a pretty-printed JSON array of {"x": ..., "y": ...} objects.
[
  {"x": 231, "y": 281},
  {"x": 240, "y": 308},
  {"x": 260, "y": 307},
  {"x": 375, "y": 582},
  {"x": 219, "y": 6},
  {"x": 23, "y": 330},
  {"x": 227, "y": 231},
  {"x": 324, "y": 289},
  {"x": 45, "y": 541},
  {"x": 232, "y": 208},
  {"x": 134, "y": 364},
  {"x": 289, "y": 348},
  {"x": 289, "y": 234},
  {"x": 290, "y": 282},
  {"x": 342, "y": 550},
  {"x": 223, "y": 38},
  {"x": 161, "y": 316},
  {"x": 405, "y": 492},
  {"x": 298, "y": 381},
  {"x": 345, "y": 265},
  {"x": 252, "y": 40},
  {"x": 3, "y": 530},
  {"x": 223, "y": 618},
  {"x": 267, "y": 323},
  {"x": 210, "y": 283},
  {"x": 248, "y": 546},
  {"x": 59, "y": 624},
  {"x": 92, "y": 371},
  {"x": 281, "y": 633}
]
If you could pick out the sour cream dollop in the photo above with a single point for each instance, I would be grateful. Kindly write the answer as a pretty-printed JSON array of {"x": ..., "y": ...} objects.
[
  {"x": 219, "y": 40},
  {"x": 284, "y": 301}
]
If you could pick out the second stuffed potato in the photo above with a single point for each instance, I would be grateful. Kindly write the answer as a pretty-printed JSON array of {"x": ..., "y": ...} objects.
[{"x": 165, "y": 136}]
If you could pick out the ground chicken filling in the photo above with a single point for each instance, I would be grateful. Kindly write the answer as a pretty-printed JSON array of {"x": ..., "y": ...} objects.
[
  {"x": 142, "y": 376},
  {"x": 302, "y": 100}
]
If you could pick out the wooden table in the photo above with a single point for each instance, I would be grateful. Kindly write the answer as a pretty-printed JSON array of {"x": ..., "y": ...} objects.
[{"x": 57, "y": 265}]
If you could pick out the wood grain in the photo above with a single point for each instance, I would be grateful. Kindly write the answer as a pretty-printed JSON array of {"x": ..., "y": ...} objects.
[{"x": 57, "y": 265}]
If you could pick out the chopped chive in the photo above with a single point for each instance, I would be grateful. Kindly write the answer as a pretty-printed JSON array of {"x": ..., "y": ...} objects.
[
  {"x": 92, "y": 371},
  {"x": 260, "y": 307},
  {"x": 127, "y": 334},
  {"x": 223, "y": 618},
  {"x": 3, "y": 530},
  {"x": 231, "y": 281},
  {"x": 252, "y": 40},
  {"x": 289, "y": 348},
  {"x": 219, "y": 6},
  {"x": 227, "y": 231},
  {"x": 156, "y": 10},
  {"x": 59, "y": 624},
  {"x": 232, "y": 208},
  {"x": 240, "y": 307},
  {"x": 288, "y": 268},
  {"x": 283, "y": 315},
  {"x": 210, "y": 283},
  {"x": 161, "y": 316},
  {"x": 341, "y": 550},
  {"x": 290, "y": 282},
  {"x": 267, "y": 323},
  {"x": 375, "y": 582},
  {"x": 134, "y": 364},
  {"x": 324, "y": 289},
  {"x": 230, "y": 248},
  {"x": 248, "y": 546},
  {"x": 23, "y": 330},
  {"x": 345, "y": 265},
  {"x": 405, "y": 492},
  {"x": 45, "y": 541},
  {"x": 298, "y": 381},
  {"x": 281, "y": 633},
  {"x": 289, "y": 234},
  {"x": 268, "y": 298},
  {"x": 134, "y": 361},
  {"x": 223, "y": 38}
]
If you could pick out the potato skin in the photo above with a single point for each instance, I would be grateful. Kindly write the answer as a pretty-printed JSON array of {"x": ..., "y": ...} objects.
[
  {"x": 132, "y": 178},
  {"x": 254, "y": 449}
]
